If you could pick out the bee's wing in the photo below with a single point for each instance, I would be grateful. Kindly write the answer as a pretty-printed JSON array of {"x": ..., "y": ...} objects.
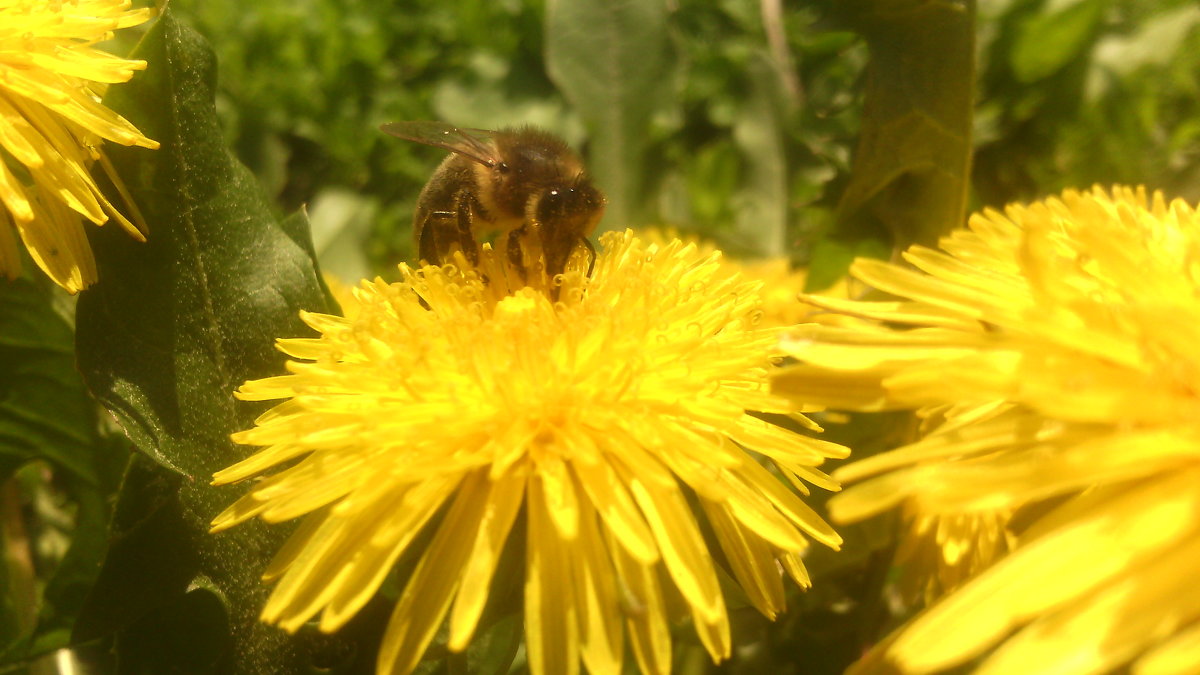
[{"x": 471, "y": 143}]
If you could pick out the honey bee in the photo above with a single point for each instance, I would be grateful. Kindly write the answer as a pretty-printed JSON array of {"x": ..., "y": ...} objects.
[{"x": 522, "y": 185}]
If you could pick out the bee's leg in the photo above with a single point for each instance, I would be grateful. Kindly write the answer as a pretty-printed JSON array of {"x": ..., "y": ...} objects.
[
  {"x": 440, "y": 232},
  {"x": 516, "y": 254},
  {"x": 467, "y": 205},
  {"x": 432, "y": 247},
  {"x": 587, "y": 243}
]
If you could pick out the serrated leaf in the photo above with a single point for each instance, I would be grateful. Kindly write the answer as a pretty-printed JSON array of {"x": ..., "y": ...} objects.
[
  {"x": 176, "y": 323},
  {"x": 910, "y": 173},
  {"x": 611, "y": 59}
]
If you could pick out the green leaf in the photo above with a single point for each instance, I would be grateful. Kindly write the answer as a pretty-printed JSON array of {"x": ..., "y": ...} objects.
[
  {"x": 340, "y": 219},
  {"x": 297, "y": 227},
  {"x": 910, "y": 174},
  {"x": 493, "y": 649},
  {"x": 45, "y": 412},
  {"x": 1048, "y": 40},
  {"x": 830, "y": 258},
  {"x": 189, "y": 631},
  {"x": 153, "y": 559},
  {"x": 611, "y": 59},
  {"x": 758, "y": 130},
  {"x": 710, "y": 181},
  {"x": 172, "y": 327}
]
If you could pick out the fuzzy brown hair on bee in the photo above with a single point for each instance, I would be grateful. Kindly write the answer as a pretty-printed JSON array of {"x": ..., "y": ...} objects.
[{"x": 522, "y": 186}]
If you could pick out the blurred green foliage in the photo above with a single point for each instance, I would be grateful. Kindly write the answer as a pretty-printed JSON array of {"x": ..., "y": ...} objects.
[
  {"x": 744, "y": 134},
  {"x": 741, "y": 129},
  {"x": 1078, "y": 92}
]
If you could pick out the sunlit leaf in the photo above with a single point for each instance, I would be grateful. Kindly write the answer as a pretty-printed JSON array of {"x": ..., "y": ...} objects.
[
  {"x": 611, "y": 59},
  {"x": 758, "y": 131},
  {"x": 910, "y": 172},
  {"x": 1047, "y": 41},
  {"x": 173, "y": 327}
]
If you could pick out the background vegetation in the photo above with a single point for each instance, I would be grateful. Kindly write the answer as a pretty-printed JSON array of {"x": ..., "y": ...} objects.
[
  {"x": 742, "y": 116},
  {"x": 813, "y": 130}
]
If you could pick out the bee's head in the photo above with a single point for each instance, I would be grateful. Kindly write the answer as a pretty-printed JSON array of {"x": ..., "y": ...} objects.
[{"x": 531, "y": 163}]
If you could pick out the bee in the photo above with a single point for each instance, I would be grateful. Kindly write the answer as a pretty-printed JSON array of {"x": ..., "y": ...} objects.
[{"x": 522, "y": 185}]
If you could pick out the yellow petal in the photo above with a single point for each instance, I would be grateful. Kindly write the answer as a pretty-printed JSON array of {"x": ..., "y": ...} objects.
[
  {"x": 612, "y": 501},
  {"x": 1082, "y": 554},
  {"x": 57, "y": 244},
  {"x": 427, "y": 596},
  {"x": 10, "y": 255},
  {"x": 551, "y": 620},
  {"x": 1100, "y": 632},
  {"x": 1180, "y": 655},
  {"x": 507, "y": 493},
  {"x": 682, "y": 548},
  {"x": 750, "y": 560},
  {"x": 601, "y": 631},
  {"x": 644, "y": 611},
  {"x": 561, "y": 501}
]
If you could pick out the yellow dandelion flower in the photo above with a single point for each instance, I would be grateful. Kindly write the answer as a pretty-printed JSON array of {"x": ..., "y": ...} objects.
[
  {"x": 51, "y": 127},
  {"x": 1067, "y": 332},
  {"x": 609, "y": 422}
]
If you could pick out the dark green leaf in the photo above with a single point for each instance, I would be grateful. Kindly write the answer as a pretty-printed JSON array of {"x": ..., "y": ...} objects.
[
  {"x": 612, "y": 61},
  {"x": 910, "y": 173},
  {"x": 297, "y": 228},
  {"x": 192, "y": 630},
  {"x": 152, "y": 558},
  {"x": 175, "y": 324},
  {"x": 493, "y": 649}
]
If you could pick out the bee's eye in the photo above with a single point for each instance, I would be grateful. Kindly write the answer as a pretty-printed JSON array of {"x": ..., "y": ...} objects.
[
  {"x": 502, "y": 167},
  {"x": 553, "y": 202}
]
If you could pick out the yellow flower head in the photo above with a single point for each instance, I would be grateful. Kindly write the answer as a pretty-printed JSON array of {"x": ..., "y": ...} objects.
[
  {"x": 1066, "y": 335},
  {"x": 607, "y": 422},
  {"x": 52, "y": 125}
]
